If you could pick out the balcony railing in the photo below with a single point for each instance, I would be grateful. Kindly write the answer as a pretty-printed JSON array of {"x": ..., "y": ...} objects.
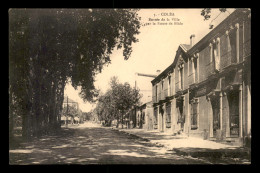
[
  {"x": 166, "y": 93},
  {"x": 170, "y": 91},
  {"x": 228, "y": 59},
  {"x": 210, "y": 69},
  {"x": 190, "y": 79},
  {"x": 247, "y": 48},
  {"x": 177, "y": 86},
  {"x": 162, "y": 95}
]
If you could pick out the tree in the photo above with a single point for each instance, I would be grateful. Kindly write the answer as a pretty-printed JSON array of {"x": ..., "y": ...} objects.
[
  {"x": 48, "y": 47},
  {"x": 117, "y": 101},
  {"x": 105, "y": 109},
  {"x": 72, "y": 111},
  {"x": 206, "y": 13}
]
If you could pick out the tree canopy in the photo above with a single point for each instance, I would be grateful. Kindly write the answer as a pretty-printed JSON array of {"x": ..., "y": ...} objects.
[{"x": 49, "y": 46}]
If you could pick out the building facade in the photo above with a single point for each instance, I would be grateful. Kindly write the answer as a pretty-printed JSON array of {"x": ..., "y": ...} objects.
[{"x": 206, "y": 91}]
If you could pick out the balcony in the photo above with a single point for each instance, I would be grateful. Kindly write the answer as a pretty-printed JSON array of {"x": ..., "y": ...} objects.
[
  {"x": 161, "y": 96},
  {"x": 190, "y": 79},
  {"x": 210, "y": 69},
  {"x": 166, "y": 94},
  {"x": 247, "y": 48},
  {"x": 228, "y": 59},
  {"x": 154, "y": 99},
  {"x": 170, "y": 93}
]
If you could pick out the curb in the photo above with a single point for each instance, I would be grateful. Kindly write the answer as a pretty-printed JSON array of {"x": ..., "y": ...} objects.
[
  {"x": 207, "y": 154},
  {"x": 139, "y": 137},
  {"x": 215, "y": 153}
]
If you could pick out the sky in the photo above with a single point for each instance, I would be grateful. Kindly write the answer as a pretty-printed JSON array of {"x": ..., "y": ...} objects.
[{"x": 155, "y": 50}]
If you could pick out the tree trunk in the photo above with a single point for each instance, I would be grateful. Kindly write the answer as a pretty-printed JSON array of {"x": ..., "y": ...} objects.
[
  {"x": 26, "y": 120},
  {"x": 60, "y": 102},
  {"x": 50, "y": 114},
  {"x": 11, "y": 117},
  {"x": 117, "y": 123},
  {"x": 122, "y": 120},
  {"x": 134, "y": 118},
  {"x": 36, "y": 109}
]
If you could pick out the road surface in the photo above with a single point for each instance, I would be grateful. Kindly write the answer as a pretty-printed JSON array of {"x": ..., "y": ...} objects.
[{"x": 89, "y": 143}]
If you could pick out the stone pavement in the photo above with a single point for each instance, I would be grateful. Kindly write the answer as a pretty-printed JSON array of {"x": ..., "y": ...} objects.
[{"x": 192, "y": 146}]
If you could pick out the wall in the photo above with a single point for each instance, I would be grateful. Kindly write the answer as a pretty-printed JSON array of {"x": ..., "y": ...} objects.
[{"x": 204, "y": 60}]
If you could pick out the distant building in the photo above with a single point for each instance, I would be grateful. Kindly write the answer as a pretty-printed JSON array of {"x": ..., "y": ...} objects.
[
  {"x": 206, "y": 91},
  {"x": 145, "y": 116},
  {"x": 70, "y": 102},
  {"x": 140, "y": 116}
]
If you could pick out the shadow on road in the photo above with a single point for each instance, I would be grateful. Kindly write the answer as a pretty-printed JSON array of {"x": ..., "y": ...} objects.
[{"x": 88, "y": 144}]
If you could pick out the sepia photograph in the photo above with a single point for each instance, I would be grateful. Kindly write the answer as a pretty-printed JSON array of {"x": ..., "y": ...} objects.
[{"x": 129, "y": 86}]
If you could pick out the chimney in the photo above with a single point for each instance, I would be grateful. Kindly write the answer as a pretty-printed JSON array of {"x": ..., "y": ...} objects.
[
  {"x": 158, "y": 72},
  {"x": 192, "y": 40}
]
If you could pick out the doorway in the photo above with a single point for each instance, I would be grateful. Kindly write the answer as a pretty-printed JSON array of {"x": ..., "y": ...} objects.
[
  {"x": 216, "y": 114},
  {"x": 162, "y": 119},
  {"x": 233, "y": 100},
  {"x": 181, "y": 117}
]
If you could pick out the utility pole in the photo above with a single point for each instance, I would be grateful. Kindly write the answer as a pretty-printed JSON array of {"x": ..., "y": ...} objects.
[
  {"x": 144, "y": 75},
  {"x": 67, "y": 111}
]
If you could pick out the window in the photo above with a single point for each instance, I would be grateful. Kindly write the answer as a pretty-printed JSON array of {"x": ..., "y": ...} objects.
[
  {"x": 195, "y": 70},
  {"x": 162, "y": 85},
  {"x": 162, "y": 91},
  {"x": 180, "y": 110},
  {"x": 210, "y": 52},
  {"x": 232, "y": 45},
  {"x": 169, "y": 86},
  {"x": 156, "y": 92},
  {"x": 155, "y": 117},
  {"x": 194, "y": 114},
  {"x": 168, "y": 115},
  {"x": 181, "y": 76},
  {"x": 215, "y": 52}
]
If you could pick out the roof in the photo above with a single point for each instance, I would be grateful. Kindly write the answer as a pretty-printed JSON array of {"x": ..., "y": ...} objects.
[
  {"x": 186, "y": 46},
  {"x": 182, "y": 47}
]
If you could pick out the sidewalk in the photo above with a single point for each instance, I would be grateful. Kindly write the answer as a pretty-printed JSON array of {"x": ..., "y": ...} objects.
[{"x": 191, "y": 146}]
